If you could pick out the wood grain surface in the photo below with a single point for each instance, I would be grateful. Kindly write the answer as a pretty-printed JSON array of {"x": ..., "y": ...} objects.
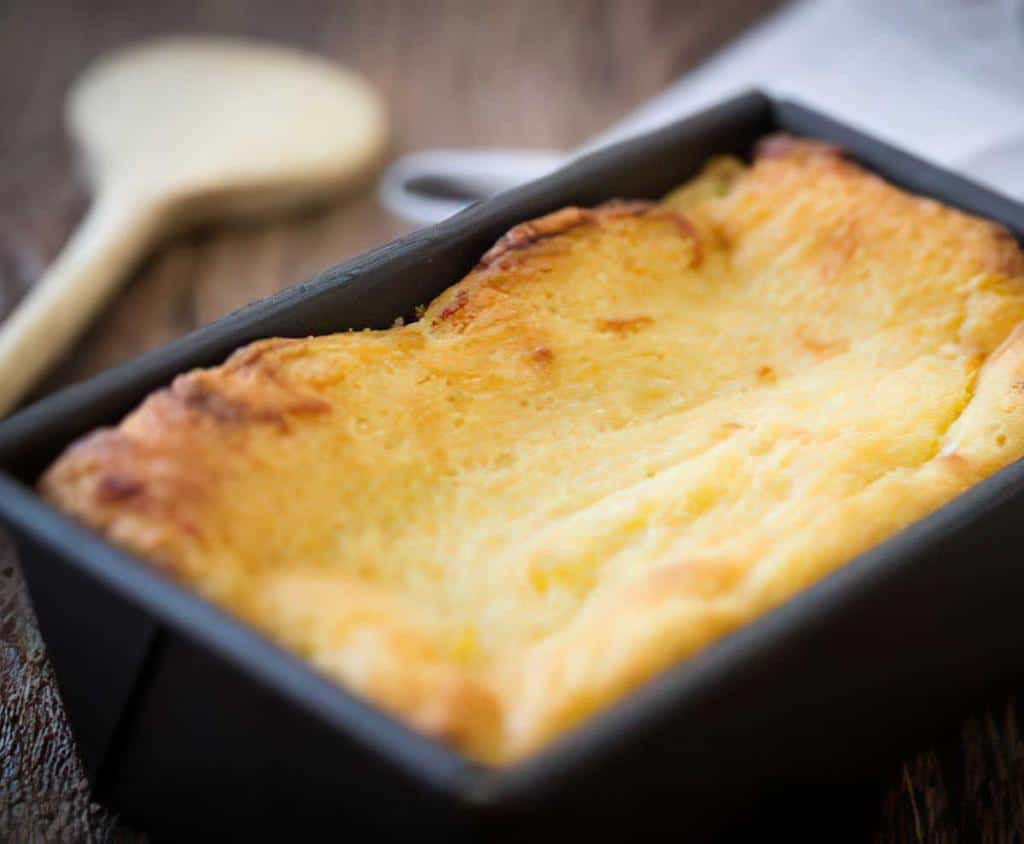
[{"x": 544, "y": 73}]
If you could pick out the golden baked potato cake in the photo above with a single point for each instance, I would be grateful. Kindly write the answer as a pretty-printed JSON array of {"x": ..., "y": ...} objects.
[{"x": 629, "y": 430}]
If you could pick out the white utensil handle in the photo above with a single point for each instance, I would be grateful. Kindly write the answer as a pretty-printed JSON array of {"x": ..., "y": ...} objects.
[
  {"x": 476, "y": 173},
  {"x": 113, "y": 236}
]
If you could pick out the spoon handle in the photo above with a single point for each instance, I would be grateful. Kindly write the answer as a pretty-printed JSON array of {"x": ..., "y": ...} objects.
[{"x": 110, "y": 240}]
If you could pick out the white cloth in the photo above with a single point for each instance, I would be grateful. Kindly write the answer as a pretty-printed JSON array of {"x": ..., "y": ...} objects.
[{"x": 941, "y": 78}]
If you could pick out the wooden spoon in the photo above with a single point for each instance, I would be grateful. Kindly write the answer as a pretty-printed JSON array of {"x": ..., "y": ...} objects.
[{"x": 182, "y": 131}]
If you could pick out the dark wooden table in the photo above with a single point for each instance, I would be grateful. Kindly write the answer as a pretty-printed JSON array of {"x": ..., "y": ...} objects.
[{"x": 545, "y": 73}]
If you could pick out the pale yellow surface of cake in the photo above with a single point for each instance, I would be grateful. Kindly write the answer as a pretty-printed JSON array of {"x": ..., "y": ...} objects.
[{"x": 627, "y": 432}]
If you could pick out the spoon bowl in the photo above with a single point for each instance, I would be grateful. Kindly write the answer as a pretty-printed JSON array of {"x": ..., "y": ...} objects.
[{"x": 179, "y": 132}]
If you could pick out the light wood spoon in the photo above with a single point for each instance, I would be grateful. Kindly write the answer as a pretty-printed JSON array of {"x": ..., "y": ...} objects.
[{"x": 178, "y": 132}]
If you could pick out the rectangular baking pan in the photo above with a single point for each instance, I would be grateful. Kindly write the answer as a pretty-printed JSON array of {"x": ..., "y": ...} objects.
[{"x": 188, "y": 721}]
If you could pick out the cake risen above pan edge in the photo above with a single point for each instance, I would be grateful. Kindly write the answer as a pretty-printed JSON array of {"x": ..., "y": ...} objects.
[{"x": 628, "y": 431}]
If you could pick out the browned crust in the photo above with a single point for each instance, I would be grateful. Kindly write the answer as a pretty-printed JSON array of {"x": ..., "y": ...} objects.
[
  {"x": 461, "y": 300},
  {"x": 558, "y": 222},
  {"x": 265, "y": 400},
  {"x": 529, "y": 244},
  {"x": 113, "y": 476},
  {"x": 109, "y": 475},
  {"x": 1004, "y": 253},
  {"x": 1008, "y": 257},
  {"x": 116, "y": 487},
  {"x": 624, "y": 325}
]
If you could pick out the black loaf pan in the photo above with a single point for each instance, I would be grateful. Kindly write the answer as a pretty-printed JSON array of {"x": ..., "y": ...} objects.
[{"x": 189, "y": 722}]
